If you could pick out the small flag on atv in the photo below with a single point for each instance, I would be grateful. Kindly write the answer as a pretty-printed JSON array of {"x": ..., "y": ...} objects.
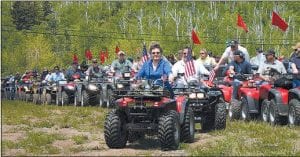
[
  {"x": 211, "y": 76},
  {"x": 189, "y": 65},
  {"x": 145, "y": 55}
]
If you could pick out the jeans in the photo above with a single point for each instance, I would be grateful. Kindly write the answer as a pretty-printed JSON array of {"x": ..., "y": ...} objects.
[
  {"x": 296, "y": 83},
  {"x": 236, "y": 84}
]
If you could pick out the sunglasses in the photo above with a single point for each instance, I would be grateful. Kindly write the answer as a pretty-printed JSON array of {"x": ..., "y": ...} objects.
[
  {"x": 155, "y": 53},
  {"x": 202, "y": 53}
]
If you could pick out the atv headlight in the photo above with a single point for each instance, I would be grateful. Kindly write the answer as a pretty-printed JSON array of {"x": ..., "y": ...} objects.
[
  {"x": 70, "y": 87},
  {"x": 126, "y": 74},
  {"x": 54, "y": 88},
  {"x": 92, "y": 87},
  {"x": 120, "y": 86},
  {"x": 192, "y": 95},
  {"x": 200, "y": 95}
]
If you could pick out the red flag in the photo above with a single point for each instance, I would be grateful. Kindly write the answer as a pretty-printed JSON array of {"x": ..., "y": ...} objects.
[
  {"x": 75, "y": 58},
  {"x": 102, "y": 57},
  {"x": 117, "y": 49},
  {"x": 88, "y": 54},
  {"x": 241, "y": 23},
  {"x": 195, "y": 38},
  {"x": 278, "y": 21}
]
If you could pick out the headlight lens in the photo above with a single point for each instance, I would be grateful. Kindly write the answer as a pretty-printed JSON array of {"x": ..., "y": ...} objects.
[
  {"x": 126, "y": 74},
  {"x": 92, "y": 87},
  {"x": 200, "y": 95},
  {"x": 120, "y": 86},
  {"x": 192, "y": 96}
]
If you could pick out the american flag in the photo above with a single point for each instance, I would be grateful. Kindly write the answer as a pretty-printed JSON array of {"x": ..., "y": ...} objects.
[
  {"x": 145, "y": 55},
  {"x": 211, "y": 76},
  {"x": 189, "y": 65}
]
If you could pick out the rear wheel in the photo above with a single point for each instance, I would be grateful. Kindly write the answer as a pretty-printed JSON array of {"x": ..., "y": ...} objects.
[
  {"x": 110, "y": 98},
  {"x": 188, "y": 127},
  {"x": 234, "y": 110},
  {"x": 245, "y": 114},
  {"x": 27, "y": 97},
  {"x": 85, "y": 98},
  {"x": 169, "y": 130},
  {"x": 274, "y": 113},
  {"x": 294, "y": 112},
  {"x": 36, "y": 99},
  {"x": 220, "y": 116},
  {"x": 115, "y": 132},
  {"x": 48, "y": 99},
  {"x": 264, "y": 112}
]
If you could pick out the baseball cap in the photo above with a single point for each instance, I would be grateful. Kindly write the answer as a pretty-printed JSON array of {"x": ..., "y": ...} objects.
[
  {"x": 233, "y": 42},
  {"x": 121, "y": 52},
  {"x": 259, "y": 50},
  {"x": 94, "y": 60},
  {"x": 239, "y": 53}
]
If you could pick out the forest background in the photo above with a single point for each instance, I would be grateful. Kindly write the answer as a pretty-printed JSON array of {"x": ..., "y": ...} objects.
[{"x": 38, "y": 34}]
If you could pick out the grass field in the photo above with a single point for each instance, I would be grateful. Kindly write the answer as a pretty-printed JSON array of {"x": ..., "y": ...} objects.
[{"x": 29, "y": 129}]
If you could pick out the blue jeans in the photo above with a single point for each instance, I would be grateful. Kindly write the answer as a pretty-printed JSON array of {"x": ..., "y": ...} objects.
[
  {"x": 296, "y": 83},
  {"x": 236, "y": 85}
]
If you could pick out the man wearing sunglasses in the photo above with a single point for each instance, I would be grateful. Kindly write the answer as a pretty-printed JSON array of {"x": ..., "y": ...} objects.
[
  {"x": 178, "y": 70},
  {"x": 228, "y": 53},
  {"x": 121, "y": 64},
  {"x": 95, "y": 70}
]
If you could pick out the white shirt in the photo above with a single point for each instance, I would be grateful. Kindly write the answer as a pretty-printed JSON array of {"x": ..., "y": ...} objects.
[
  {"x": 178, "y": 67},
  {"x": 229, "y": 54},
  {"x": 258, "y": 59},
  {"x": 276, "y": 65}
]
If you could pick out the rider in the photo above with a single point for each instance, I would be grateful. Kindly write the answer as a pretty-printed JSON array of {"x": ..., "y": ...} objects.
[
  {"x": 228, "y": 53},
  {"x": 259, "y": 58},
  {"x": 271, "y": 62},
  {"x": 121, "y": 64},
  {"x": 296, "y": 65},
  {"x": 156, "y": 67},
  {"x": 238, "y": 66},
  {"x": 205, "y": 59},
  {"x": 95, "y": 70},
  {"x": 56, "y": 75},
  {"x": 44, "y": 74},
  {"x": 73, "y": 70},
  {"x": 179, "y": 68}
]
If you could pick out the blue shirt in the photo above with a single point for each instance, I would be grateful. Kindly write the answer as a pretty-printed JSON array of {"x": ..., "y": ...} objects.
[
  {"x": 147, "y": 71},
  {"x": 56, "y": 77},
  {"x": 243, "y": 67}
]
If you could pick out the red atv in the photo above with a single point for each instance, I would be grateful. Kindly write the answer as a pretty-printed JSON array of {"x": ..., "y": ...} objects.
[{"x": 147, "y": 108}]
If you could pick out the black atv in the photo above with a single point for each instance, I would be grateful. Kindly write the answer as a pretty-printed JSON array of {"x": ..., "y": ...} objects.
[{"x": 148, "y": 109}]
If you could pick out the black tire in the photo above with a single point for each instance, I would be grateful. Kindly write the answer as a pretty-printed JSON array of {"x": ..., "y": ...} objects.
[
  {"x": 245, "y": 114},
  {"x": 85, "y": 98},
  {"x": 274, "y": 113},
  {"x": 115, "y": 133},
  {"x": 27, "y": 97},
  {"x": 169, "y": 130},
  {"x": 64, "y": 98},
  {"x": 220, "y": 116},
  {"x": 264, "y": 111},
  {"x": 234, "y": 111},
  {"x": 188, "y": 127},
  {"x": 35, "y": 98},
  {"x": 48, "y": 99},
  {"x": 110, "y": 98},
  {"x": 294, "y": 112}
]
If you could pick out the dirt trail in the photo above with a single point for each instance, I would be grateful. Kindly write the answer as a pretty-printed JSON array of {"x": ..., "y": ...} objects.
[{"x": 95, "y": 143}]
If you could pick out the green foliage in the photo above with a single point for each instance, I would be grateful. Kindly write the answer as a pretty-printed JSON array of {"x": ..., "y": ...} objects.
[{"x": 60, "y": 29}]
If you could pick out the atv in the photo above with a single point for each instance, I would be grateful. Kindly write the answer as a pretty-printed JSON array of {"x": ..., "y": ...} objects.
[
  {"x": 294, "y": 107},
  {"x": 207, "y": 103},
  {"x": 148, "y": 108}
]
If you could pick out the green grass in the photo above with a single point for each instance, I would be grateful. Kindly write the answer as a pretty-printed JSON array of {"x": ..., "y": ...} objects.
[
  {"x": 250, "y": 139},
  {"x": 238, "y": 139},
  {"x": 80, "y": 139}
]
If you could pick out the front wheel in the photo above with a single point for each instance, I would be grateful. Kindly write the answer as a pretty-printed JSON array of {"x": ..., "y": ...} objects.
[
  {"x": 294, "y": 112},
  {"x": 188, "y": 127},
  {"x": 169, "y": 130},
  {"x": 115, "y": 133},
  {"x": 245, "y": 114}
]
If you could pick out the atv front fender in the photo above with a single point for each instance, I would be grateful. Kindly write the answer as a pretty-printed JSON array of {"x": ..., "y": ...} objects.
[
  {"x": 281, "y": 99},
  {"x": 181, "y": 104}
]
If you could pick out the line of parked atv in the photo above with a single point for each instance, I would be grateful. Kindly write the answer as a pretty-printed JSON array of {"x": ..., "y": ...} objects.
[{"x": 89, "y": 91}]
